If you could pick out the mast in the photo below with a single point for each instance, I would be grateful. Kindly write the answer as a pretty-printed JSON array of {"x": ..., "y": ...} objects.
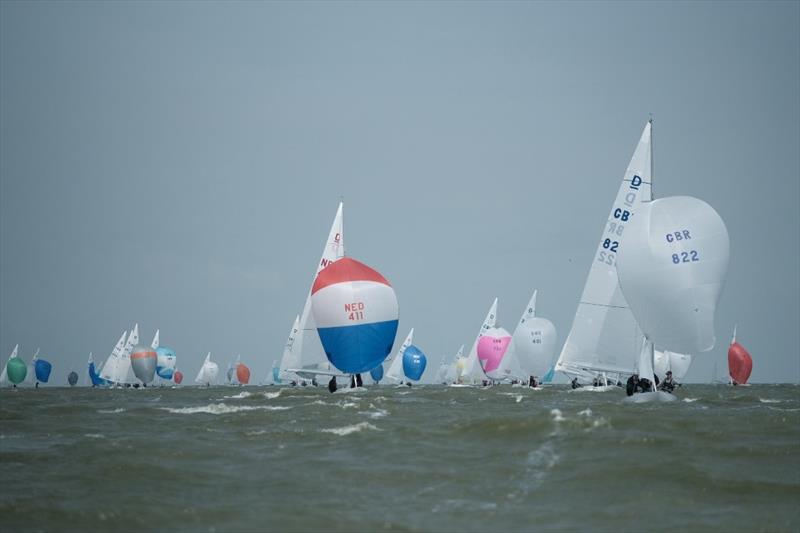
[{"x": 652, "y": 196}]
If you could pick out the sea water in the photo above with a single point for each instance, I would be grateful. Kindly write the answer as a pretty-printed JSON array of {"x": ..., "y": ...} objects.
[{"x": 425, "y": 458}]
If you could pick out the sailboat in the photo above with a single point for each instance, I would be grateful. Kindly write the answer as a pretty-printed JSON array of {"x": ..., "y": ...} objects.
[
  {"x": 208, "y": 372},
  {"x": 395, "y": 371},
  {"x": 605, "y": 339},
  {"x": 455, "y": 368},
  {"x": 110, "y": 369},
  {"x": 242, "y": 372},
  {"x": 4, "y": 375},
  {"x": 740, "y": 364},
  {"x": 472, "y": 372},
  {"x": 496, "y": 357},
  {"x": 414, "y": 363},
  {"x": 441, "y": 373},
  {"x": 671, "y": 270},
  {"x": 117, "y": 368},
  {"x": 534, "y": 342},
  {"x": 306, "y": 357}
]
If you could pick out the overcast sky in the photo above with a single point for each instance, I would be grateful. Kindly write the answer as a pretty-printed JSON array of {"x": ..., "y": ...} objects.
[{"x": 179, "y": 164}]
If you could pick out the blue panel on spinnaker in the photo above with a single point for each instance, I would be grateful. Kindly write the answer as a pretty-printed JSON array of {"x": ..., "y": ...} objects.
[
  {"x": 549, "y": 376},
  {"x": 97, "y": 381},
  {"x": 377, "y": 373},
  {"x": 165, "y": 362},
  {"x": 276, "y": 375},
  {"x": 355, "y": 349},
  {"x": 43, "y": 369},
  {"x": 414, "y": 362}
]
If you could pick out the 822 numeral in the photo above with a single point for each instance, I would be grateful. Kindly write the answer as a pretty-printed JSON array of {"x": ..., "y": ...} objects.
[{"x": 685, "y": 257}]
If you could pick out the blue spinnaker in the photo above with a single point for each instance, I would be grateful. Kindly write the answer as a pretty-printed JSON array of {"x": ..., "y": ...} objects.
[
  {"x": 43, "y": 369},
  {"x": 414, "y": 362}
]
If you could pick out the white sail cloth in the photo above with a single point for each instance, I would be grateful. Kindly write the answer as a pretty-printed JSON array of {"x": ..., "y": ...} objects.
[
  {"x": 605, "y": 336},
  {"x": 672, "y": 269}
]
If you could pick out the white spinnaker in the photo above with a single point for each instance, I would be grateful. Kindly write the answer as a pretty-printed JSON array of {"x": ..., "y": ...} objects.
[
  {"x": 472, "y": 367},
  {"x": 605, "y": 336},
  {"x": 109, "y": 369},
  {"x": 4, "y": 375},
  {"x": 395, "y": 371},
  {"x": 672, "y": 271},
  {"x": 678, "y": 363},
  {"x": 534, "y": 342},
  {"x": 307, "y": 345}
]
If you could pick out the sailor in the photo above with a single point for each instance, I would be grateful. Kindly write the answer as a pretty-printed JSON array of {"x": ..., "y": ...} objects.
[
  {"x": 359, "y": 383},
  {"x": 332, "y": 384},
  {"x": 532, "y": 382},
  {"x": 644, "y": 385},
  {"x": 668, "y": 385},
  {"x": 352, "y": 381},
  {"x": 575, "y": 384},
  {"x": 632, "y": 385}
]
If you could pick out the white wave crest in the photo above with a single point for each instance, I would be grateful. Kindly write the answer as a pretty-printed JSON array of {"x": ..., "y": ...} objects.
[
  {"x": 111, "y": 411},
  {"x": 557, "y": 415},
  {"x": 94, "y": 435},
  {"x": 223, "y": 409},
  {"x": 690, "y": 400},
  {"x": 346, "y": 430},
  {"x": 585, "y": 412},
  {"x": 241, "y": 395},
  {"x": 769, "y": 400}
]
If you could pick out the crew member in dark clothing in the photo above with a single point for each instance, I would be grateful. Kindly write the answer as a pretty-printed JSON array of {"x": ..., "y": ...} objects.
[
  {"x": 332, "y": 384},
  {"x": 668, "y": 385},
  {"x": 632, "y": 385},
  {"x": 352, "y": 381},
  {"x": 532, "y": 382},
  {"x": 645, "y": 385},
  {"x": 359, "y": 383},
  {"x": 575, "y": 384}
]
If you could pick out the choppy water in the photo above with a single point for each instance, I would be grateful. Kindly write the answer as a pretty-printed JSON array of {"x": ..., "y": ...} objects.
[{"x": 426, "y": 458}]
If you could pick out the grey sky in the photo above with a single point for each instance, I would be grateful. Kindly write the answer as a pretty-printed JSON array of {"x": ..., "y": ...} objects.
[{"x": 179, "y": 164}]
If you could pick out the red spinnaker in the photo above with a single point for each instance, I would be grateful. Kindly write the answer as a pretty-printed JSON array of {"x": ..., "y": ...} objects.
[
  {"x": 242, "y": 374},
  {"x": 177, "y": 377},
  {"x": 740, "y": 364}
]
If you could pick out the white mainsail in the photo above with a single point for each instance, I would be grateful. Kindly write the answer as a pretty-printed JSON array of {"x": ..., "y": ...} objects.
[
  {"x": 208, "y": 372},
  {"x": 395, "y": 372},
  {"x": 291, "y": 357},
  {"x": 155, "y": 344},
  {"x": 109, "y": 370},
  {"x": 307, "y": 347},
  {"x": 605, "y": 337},
  {"x": 473, "y": 372}
]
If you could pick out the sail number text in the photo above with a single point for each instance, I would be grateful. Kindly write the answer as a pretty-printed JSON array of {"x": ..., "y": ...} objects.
[
  {"x": 355, "y": 310},
  {"x": 621, "y": 215}
]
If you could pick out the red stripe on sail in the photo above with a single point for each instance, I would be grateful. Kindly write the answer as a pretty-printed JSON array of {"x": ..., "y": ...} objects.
[{"x": 346, "y": 269}]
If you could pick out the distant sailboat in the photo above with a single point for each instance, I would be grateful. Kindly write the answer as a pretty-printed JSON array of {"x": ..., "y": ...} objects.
[
  {"x": 493, "y": 353},
  {"x": 395, "y": 371},
  {"x": 472, "y": 372},
  {"x": 740, "y": 364},
  {"x": 534, "y": 342},
  {"x": 208, "y": 372},
  {"x": 455, "y": 368},
  {"x": 117, "y": 366},
  {"x": 605, "y": 338},
  {"x": 242, "y": 372},
  {"x": 414, "y": 363},
  {"x": 4, "y": 378}
]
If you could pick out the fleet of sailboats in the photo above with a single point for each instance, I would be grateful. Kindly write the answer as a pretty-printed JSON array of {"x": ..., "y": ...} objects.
[{"x": 647, "y": 304}]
